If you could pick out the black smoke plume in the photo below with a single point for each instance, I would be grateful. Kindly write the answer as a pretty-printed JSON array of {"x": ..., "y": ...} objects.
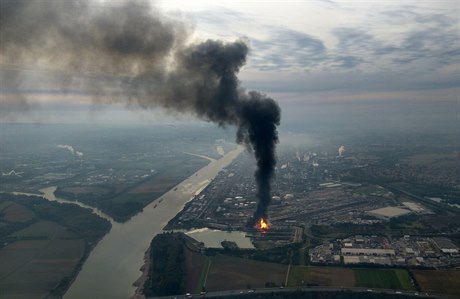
[{"x": 128, "y": 52}]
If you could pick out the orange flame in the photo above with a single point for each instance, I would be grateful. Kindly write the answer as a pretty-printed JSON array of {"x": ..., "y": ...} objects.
[{"x": 263, "y": 225}]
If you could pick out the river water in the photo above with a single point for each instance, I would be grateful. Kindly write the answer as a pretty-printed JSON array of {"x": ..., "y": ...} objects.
[
  {"x": 213, "y": 237},
  {"x": 113, "y": 265}
]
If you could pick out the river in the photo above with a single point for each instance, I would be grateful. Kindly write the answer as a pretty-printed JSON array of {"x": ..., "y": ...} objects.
[
  {"x": 113, "y": 265},
  {"x": 48, "y": 193}
]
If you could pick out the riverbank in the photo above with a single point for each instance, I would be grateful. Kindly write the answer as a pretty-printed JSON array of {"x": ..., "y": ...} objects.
[
  {"x": 49, "y": 194},
  {"x": 140, "y": 282},
  {"x": 114, "y": 264}
]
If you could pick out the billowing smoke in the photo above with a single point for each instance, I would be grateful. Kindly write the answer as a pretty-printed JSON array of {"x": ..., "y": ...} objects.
[
  {"x": 71, "y": 149},
  {"x": 341, "y": 150},
  {"x": 128, "y": 52}
]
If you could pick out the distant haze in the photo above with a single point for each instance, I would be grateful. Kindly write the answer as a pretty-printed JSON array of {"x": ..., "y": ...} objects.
[{"x": 128, "y": 52}]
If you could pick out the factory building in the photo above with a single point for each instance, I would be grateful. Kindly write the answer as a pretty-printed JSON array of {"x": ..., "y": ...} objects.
[{"x": 368, "y": 251}]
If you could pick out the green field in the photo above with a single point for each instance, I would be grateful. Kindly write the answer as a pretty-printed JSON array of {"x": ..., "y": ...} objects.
[
  {"x": 43, "y": 244},
  {"x": 384, "y": 279},
  {"x": 298, "y": 276},
  {"x": 17, "y": 213},
  {"x": 143, "y": 198},
  {"x": 40, "y": 230},
  {"x": 405, "y": 279},
  {"x": 4, "y": 204},
  {"x": 196, "y": 266},
  {"x": 203, "y": 275},
  {"x": 124, "y": 200},
  {"x": 30, "y": 269}
]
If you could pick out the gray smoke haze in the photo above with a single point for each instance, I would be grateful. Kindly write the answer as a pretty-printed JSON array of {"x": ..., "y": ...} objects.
[{"x": 128, "y": 52}]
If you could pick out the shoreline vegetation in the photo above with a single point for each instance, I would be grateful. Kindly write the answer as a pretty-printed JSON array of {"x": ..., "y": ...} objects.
[
  {"x": 120, "y": 212},
  {"x": 140, "y": 282},
  {"x": 166, "y": 270}
]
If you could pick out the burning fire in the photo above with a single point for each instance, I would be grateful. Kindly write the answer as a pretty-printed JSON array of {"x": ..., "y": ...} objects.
[{"x": 263, "y": 225}]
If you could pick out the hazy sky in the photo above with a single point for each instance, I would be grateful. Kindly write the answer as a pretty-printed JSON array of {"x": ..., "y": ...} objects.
[
  {"x": 323, "y": 51},
  {"x": 339, "y": 50}
]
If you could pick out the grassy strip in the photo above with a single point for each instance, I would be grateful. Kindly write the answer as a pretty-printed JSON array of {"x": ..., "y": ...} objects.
[
  {"x": 204, "y": 275},
  {"x": 302, "y": 256},
  {"x": 298, "y": 276}
]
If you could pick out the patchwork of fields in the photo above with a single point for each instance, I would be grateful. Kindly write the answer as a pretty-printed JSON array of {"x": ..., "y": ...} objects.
[
  {"x": 222, "y": 272},
  {"x": 30, "y": 269},
  {"x": 39, "y": 255}
]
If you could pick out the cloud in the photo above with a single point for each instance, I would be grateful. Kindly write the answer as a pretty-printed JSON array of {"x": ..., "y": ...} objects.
[
  {"x": 348, "y": 62},
  {"x": 409, "y": 48},
  {"x": 354, "y": 82},
  {"x": 377, "y": 36},
  {"x": 352, "y": 38},
  {"x": 219, "y": 16},
  {"x": 408, "y": 15},
  {"x": 355, "y": 41},
  {"x": 365, "y": 47},
  {"x": 433, "y": 47},
  {"x": 286, "y": 49},
  {"x": 291, "y": 50},
  {"x": 438, "y": 45}
]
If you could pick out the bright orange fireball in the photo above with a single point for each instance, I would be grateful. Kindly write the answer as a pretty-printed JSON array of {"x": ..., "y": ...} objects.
[{"x": 263, "y": 225}]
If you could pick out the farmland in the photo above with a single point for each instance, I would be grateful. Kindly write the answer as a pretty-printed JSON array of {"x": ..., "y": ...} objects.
[
  {"x": 33, "y": 268},
  {"x": 197, "y": 269},
  {"x": 439, "y": 281},
  {"x": 325, "y": 276},
  {"x": 378, "y": 278},
  {"x": 159, "y": 183},
  {"x": 41, "y": 247},
  {"x": 228, "y": 273},
  {"x": 347, "y": 277},
  {"x": 298, "y": 276},
  {"x": 320, "y": 276},
  {"x": 217, "y": 271},
  {"x": 431, "y": 158},
  {"x": 16, "y": 213},
  {"x": 122, "y": 198},
  {"x": 41, "y": 230}
]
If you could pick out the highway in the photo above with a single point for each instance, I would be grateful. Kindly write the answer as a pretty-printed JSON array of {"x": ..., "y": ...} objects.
[{"x": 304, "y": 289}]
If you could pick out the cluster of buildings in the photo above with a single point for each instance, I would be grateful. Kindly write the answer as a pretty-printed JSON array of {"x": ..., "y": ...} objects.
[
  {"x": 310, "y": 189},
  {"x": 411, "y": 251},
  {"x": 305, "y": 192}
]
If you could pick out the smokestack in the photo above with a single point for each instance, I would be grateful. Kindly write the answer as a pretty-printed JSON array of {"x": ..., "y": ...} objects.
[{"x": 127, "y": 52}]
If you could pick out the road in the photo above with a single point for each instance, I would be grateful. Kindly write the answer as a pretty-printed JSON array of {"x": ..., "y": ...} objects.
[{"x": 304, "y": 289}]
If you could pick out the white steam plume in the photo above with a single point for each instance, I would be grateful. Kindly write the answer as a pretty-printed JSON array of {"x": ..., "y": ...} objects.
[
  {"x": 71, "y": 149},
  {"x": 341, "y": 150}
]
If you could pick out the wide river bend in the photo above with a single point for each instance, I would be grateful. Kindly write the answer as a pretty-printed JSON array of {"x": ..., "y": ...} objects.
[{"x": 113, "y": 265}]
